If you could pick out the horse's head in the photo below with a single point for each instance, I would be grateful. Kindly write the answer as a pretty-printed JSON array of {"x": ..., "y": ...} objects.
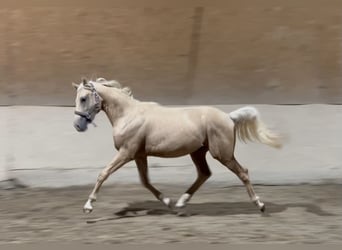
[{"x": 88, "y": 104}]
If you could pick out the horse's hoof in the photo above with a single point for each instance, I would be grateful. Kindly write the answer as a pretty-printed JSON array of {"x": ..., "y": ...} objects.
[
  {"x": 87, "y": 210},
  {"x": 182, "y": 201},
  {"x": 263, "y": 208},
  {"x": 167, "y": 202}
]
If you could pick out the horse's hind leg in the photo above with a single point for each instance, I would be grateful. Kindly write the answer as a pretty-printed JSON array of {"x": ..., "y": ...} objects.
[
  {"x": 203, "y": 171},
  {"x": 143, "y": 173},
  {"x": 242, "y": 173}
]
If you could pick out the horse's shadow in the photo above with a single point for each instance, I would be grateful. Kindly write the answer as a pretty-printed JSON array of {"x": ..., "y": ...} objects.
[
  {"x": 218, "y": 208},
  {"x": 156, "y": 208}
]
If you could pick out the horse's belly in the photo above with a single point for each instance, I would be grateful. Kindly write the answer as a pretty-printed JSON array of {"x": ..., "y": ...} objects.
[
  {"x": 174, "y": 152},
  {"x": 172, "y": 145}
]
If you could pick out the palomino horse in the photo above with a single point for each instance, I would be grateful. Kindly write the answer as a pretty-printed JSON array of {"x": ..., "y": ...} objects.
[{"x": 142, "y": 129}]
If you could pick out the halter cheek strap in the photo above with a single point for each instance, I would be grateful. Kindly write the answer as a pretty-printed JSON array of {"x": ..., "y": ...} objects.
[{"x": 96, "y": 108}]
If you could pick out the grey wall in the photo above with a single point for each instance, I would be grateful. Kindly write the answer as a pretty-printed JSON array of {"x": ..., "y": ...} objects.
[{"x": 40, "y": 147}]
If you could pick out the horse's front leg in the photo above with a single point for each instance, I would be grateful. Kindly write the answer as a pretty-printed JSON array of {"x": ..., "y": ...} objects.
[{"x": 119, "y": 160}]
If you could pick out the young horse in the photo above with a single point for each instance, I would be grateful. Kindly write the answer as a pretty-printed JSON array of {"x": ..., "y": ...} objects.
[{"x": 142, "y": 129}]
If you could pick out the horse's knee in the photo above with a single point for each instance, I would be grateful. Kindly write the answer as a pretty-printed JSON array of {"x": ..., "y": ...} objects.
[
  {"x": 244, "y": 177},
  {"x": 244, "y": 171},
  {"x": 103, "y": 176}
]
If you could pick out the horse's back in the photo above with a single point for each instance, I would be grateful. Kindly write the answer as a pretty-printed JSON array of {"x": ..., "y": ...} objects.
[{"x": 188, "y": 119}]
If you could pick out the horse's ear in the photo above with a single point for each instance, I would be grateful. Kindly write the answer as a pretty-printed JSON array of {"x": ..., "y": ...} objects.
[
  {"x": 84, "y": 81},
  {"x": 75, "y": 85}
]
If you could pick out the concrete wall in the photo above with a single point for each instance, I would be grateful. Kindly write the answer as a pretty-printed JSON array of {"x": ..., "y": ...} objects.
[
  {"x": 40, "y": 147},
  {"x": 246, "y": 52}
]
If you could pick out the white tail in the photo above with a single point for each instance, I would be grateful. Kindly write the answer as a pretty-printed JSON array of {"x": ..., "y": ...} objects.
[{"x": 248, "y": 126}]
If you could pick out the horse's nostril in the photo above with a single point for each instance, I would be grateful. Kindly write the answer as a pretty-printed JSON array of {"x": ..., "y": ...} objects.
[
  {"x": 77, "y": 126},
  {"x": 80, "y": 124}
]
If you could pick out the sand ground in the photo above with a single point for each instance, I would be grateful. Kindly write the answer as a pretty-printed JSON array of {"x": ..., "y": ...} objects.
[{"x": 129, "y": 214}]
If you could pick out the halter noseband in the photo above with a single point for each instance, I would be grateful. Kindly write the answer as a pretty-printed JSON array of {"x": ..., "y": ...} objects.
[{"x": 96, "y": 108}]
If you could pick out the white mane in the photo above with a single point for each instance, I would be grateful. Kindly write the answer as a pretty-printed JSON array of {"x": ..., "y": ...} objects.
[
  {"x": 109, "y": 83},
  {"x": 114, "y": 84}
]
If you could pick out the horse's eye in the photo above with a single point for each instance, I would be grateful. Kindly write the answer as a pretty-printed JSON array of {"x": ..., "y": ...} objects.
[{"x": 83, "y": 99}]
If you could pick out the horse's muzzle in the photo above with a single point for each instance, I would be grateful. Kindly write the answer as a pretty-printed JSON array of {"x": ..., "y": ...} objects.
[{"x": 81, "y": 124}]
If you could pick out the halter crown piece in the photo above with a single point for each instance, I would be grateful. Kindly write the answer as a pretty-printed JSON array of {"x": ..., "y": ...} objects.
[{"x": 96, "y": 108}]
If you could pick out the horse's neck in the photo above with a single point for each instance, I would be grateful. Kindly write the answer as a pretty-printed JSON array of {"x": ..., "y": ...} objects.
[{"x": 116, "y": 105}]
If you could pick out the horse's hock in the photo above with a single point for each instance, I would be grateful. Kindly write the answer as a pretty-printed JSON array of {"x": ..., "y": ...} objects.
[{"x": 269, "y": 52}]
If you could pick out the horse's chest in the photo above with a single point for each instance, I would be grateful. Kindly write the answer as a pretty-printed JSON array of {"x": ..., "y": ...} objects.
[
  {"x": 127, "y": 133},
  {"x": 122, "y": 138}
]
